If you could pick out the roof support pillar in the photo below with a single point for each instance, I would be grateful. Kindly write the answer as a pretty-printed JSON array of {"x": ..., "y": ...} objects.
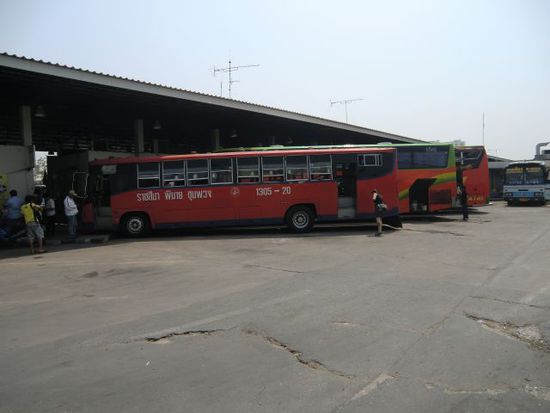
[
  {"x": 215, "y": 139},
  {"x": 139, "y": 136},
  {"x": 26, "y": 124}
]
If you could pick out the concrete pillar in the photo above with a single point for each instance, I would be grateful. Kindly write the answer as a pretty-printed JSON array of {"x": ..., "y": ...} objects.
[
  {"x": 26, "y": 125},
  {"x": 139, "y": 136},
  {"x": 215, "y": 139}
]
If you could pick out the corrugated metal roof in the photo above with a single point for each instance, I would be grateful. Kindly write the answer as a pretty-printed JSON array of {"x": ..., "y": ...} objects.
[
  {"x": 498, "y": 159},
  {"x": 40, "y": 66},
  {"x": 108, "y": 75}
]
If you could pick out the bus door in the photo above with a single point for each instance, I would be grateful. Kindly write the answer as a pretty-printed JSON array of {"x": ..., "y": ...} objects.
[
  {"x": 345, "y": 174},
  {"x": 455, "y": 202},
  {"x": 97, "y": 213},
  {"x": 419, "y": 195}
]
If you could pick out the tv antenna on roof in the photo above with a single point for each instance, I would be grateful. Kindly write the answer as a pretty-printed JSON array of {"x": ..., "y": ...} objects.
[
  {"x": 345, "y": 102},
  {"x": 230, "y": 69}
]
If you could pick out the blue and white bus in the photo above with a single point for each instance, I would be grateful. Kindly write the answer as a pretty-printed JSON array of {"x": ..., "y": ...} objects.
[{"x": 526, "y": 182}]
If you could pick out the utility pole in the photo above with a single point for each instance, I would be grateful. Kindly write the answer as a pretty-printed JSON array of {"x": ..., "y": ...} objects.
[
  {"x": 345, "y": 102},
  {"x": 483, "y": 130},
  {"x": 230, "y": 69}
]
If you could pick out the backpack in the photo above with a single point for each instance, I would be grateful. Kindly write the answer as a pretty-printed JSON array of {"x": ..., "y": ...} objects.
[{"x": 381, "y": 206}]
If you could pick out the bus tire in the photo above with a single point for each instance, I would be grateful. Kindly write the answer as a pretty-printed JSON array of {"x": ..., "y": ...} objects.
[
  {"x": 135, "y": 225},
  {"x": 300, "y": 219}
]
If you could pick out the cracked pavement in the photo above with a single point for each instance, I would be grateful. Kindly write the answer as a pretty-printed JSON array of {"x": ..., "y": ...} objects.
[{"x": 443, "y": 316}]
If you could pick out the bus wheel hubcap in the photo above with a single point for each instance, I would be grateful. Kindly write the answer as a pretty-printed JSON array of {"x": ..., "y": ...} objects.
[
  {"x": 300, "y": 219},
  {"x": 135, "y": 225}
]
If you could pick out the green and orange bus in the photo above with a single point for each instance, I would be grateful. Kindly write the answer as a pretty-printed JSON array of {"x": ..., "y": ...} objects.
[{"x": 426, "y": 177}]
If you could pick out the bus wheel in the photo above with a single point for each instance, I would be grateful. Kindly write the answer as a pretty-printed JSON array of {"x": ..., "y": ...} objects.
[
  {"x": 300, "y": 219},
  {"x": 135, "y": 225}
]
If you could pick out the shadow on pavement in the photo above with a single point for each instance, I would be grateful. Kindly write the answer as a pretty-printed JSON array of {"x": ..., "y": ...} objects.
[{"x": 59, "y": 243}]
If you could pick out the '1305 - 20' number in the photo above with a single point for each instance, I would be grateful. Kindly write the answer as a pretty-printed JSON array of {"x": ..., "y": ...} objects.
[{"x": 268, "y": 191}]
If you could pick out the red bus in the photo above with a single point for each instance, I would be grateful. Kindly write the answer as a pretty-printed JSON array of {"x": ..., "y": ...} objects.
[
  {"x": 472, "y": 169},
  {"x": 292, "y": 187}
]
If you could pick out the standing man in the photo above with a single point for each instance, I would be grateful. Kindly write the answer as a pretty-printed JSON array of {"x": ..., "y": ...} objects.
[
  {"x": 463, "y": 194},
  {"x": 71, "y": 211},
  {"x": 379, "y": 208},
  {"x": 12, "y": 208},
  {"x": 29, "y": 210}
]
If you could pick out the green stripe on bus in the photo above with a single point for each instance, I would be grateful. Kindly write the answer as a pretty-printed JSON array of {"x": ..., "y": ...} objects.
[{"x": 439, "y": 179}]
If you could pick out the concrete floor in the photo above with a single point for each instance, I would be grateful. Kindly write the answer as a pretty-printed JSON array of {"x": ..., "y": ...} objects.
[{"x": 444, "y": 316}]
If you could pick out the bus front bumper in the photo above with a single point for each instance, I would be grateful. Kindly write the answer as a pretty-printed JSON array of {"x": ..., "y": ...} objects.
[{"x": 524, "y": 196}]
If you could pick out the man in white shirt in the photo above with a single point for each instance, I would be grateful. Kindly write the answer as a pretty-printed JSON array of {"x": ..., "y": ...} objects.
[{"x": 71, "y": 211}]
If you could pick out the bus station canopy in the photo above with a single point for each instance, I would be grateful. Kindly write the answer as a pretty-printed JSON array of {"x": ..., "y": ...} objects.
[{"x": 73, "y": 109}]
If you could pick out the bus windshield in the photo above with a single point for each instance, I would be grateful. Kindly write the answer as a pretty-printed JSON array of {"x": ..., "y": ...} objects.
[
  {"x": 469, "y": 158},
  {"x": 524, "y": 175},
  {"x": 534, "y": 175},
  {"x": 514, "y": 176}
]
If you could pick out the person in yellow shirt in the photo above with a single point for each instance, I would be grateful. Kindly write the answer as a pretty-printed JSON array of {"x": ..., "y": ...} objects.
[{"x": 34, "y": 230}]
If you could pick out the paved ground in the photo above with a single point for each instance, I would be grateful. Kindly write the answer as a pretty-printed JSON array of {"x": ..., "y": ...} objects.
[{"x": 443, "y": 316}]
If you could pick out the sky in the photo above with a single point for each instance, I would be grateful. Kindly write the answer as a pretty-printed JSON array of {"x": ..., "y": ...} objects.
[{"x": 427, "y": 69}]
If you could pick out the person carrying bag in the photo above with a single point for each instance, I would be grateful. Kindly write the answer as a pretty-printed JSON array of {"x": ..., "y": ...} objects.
[
  {"x": 379, "y": 208},
  {"x": 30, "y": 212}
]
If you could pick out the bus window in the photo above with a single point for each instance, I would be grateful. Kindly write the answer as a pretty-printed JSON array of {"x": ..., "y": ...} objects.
[
  {"x": 221, "y": 171},
  {"x": 273, "y": 169},
  {"x": 148, "y": 175},
  {"x": 248, "y": 170},
  {"x": 430, "y": 159},
  {"x": 296, "y": 168},
  {"x": 370, "y": 160},
  {"x": 173, "y": 174},
  {"x": 197, "y": 172},
  {"x": 320, "y": 167},
  {"x": 422, "y": 157},
  {"x": 404, "y": 159},
  {"x": 108, "y": 170}
]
